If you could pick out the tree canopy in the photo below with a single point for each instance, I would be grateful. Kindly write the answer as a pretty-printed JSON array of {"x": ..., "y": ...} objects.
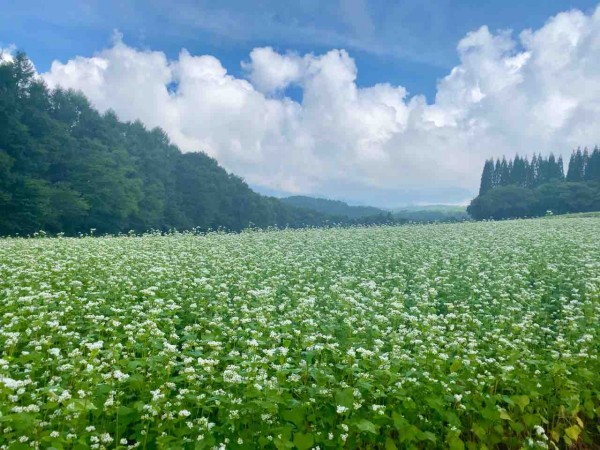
[{"x": 519, "y": 188}]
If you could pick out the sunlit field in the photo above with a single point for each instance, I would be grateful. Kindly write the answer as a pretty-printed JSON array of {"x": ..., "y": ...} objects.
[{"x": 474, "y": 335}]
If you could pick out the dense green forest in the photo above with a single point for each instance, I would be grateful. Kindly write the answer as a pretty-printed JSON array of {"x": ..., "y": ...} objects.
[
  {"x": 520, "y": 188},
  {"x": 335, "y": 207},
  {"x": 64, "y": 167}
]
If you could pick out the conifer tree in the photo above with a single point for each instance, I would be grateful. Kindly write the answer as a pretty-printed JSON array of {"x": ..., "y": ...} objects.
[
  {"x": 576, "y": 167},
  {"x": 487, "y": 175},
  {"x": 586, "y": 160},
  {"x": 543, "y": 172},
  {"x": 497, "y": 170},
  {"x": 532, "y": 173},
  {"x": 554, "y": 169},
  {"x": 504, "y": 172},
  {"x": 527, "y": 169},
  {"x": 518, "y": 173},
  {"x": 592, "y": 169},
  {"x": 560, "y": 171}
]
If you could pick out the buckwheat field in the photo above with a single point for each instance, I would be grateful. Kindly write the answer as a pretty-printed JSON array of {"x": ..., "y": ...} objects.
[{"x": 474, "y": 335}]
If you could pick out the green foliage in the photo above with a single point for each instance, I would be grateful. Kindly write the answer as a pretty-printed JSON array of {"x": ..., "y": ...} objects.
[
  {"x": 419, "y": 337},
  {"x": 487, "y": 177},
  {"x": 523, "y": 189},
  {"x": 333, "y": 207},
  {"x": 503, "y": 202},
  {"x": 515, "y": 201}
]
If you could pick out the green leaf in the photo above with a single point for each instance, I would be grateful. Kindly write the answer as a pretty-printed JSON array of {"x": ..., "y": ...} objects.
[
  {"x": 366, "y": 426},
  {"x": 436, "y": 403},
  {"x": 80, "y": 446},
  {"x": 20, "y": 421},
  {"x": 390, "y": 444},
  {"x": 55, "y": 444},
  {"x": 427, "y": 436},
  {"x": 455, "y": 365},
  {"x": 283, "y": 442},
  {"x": 124, "y": 410},
  {"x": 573, "y": 432},
  {"x": 296, "y": 416},
  {"x": 303, "y": 441},
  {"x": 19, "y": 446},
  {"x": 456, "y": 443},
  {"x": 508, "y": 400},
  {"x": 452, "y": 418},
  {"x": 504, "y": 415},
  {"x": 344, "y": 397},
  {"x": 521, "y": 400},
  {"x": 479, "y": 431},
  {"x": 399, "y": 421},
  {"x": 517, "y": 426}
]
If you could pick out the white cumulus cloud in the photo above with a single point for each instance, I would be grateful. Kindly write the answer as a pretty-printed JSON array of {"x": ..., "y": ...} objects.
[
  {"x": 539, "y": 91},
  {"x": 6, "y": 54}
]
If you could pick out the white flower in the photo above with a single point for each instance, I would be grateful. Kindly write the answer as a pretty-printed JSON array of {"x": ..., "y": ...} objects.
[
  {"x": 12, "y": 384},
  {"x": 120, "y": 376},
  {"x": 341, "y": 409},
  {"x": 94, "y": 345}
]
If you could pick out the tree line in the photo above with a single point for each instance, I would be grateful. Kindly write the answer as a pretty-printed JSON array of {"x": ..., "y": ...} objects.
[
  {"x": 335, "y": 207},
  {"x": 64, "y": 167},
  {"x": 523, "y": 188}
]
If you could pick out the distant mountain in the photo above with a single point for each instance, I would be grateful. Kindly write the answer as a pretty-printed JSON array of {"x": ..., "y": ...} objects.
[
  {"x": 431, "y": 213},
  {"x": 440, "y": 208},
  {"x": 333, "y": 207}
]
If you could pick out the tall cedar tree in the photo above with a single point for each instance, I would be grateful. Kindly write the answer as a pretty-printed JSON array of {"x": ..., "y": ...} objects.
[
  {"x": 576, "y": 169},
  {"x": 592, "y": 169},
  {"x": 487, "y": 177}
]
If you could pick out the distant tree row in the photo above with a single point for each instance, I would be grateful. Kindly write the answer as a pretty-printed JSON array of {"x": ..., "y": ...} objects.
[
  {"x": 518, "y": 188},
  {"x": 64, "y": 167},
  {"x": 335, "y": 207},
  {"x": 583, "y": 166}
]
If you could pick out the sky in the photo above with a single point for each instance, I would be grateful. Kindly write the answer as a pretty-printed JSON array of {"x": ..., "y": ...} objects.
[{"x": 373, "y": 102}]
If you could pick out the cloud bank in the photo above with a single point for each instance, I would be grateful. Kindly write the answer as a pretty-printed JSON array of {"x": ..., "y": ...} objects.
[
  {"x": 6, "y": 54},
  {"x": 539, "y": 91}
]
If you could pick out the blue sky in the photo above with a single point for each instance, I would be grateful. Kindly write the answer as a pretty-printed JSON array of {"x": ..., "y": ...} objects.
[
  {"x": 411, "y": 43},
  {"x": 372, "y": 102}
]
